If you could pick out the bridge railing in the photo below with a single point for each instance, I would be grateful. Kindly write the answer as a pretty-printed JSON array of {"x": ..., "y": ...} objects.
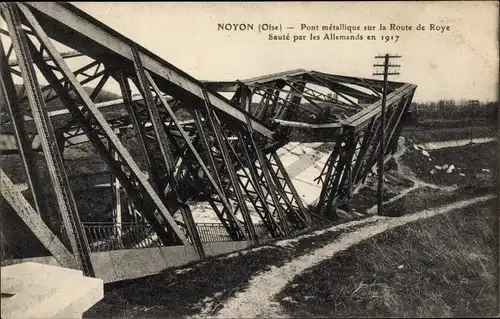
[
  {"x": 212, "y": 232},
  {"x": 215, "y": 232},
  {"x": 106, "y": 236}
]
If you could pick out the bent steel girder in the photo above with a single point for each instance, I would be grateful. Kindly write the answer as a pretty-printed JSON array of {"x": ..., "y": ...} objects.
[
  {"x": 355, "y": 113},
  {"x": 226, "y": 215},
  {"x": 158, "y": 154},
  {"x": 198, "y": 164},
  {"x": 287, "y": 97},
  {"x": 228, "y": 167},
  {"x": 105, "y": 57},
  {"x": 298, "y": 85},
  {"x": 191, "y": 142},
  {"x": 356, "y": 150}
]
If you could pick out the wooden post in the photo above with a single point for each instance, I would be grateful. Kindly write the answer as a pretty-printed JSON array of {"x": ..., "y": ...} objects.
[{"x": 382, "y": 128}]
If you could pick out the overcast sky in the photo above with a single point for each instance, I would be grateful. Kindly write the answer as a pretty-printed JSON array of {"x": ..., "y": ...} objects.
[{"x": 460, "y": 63}]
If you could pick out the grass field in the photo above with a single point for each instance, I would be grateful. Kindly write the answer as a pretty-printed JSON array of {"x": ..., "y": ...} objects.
[
  {"x": 440, "y": 267},
  {"x": 423, "y": 134}
]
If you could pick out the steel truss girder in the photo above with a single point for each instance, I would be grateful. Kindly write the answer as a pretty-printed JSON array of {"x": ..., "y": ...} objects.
[
  {"x": 199, "y": 160},
  {"x": 254, "y": 190},
  {"x": 267, "y": 176},
  {"x": 64, "y": 196},
  {"x": 162, "y": 169},
  {"x": 357, "y": 146},
  {"x": 93, "y": 122},
  {"x": 92, "y": 38},
  {"x": 104, "y": 134},
  {"x": 226, "y": 216},
  {"x": 290, "y": 108},
  {"x": 222, "y": 146},
  {"x": 354, "y": 92}
]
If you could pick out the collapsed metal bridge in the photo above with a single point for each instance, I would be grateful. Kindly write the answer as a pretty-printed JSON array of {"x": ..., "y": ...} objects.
[{"x": 189, "y": 143}]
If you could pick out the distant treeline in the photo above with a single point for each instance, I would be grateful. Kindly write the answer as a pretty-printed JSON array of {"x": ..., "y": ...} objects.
[{"x": 455, "y": 110}]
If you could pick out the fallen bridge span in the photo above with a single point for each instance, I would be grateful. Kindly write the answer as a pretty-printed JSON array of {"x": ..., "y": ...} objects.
[{"x": 167, "y": 141}]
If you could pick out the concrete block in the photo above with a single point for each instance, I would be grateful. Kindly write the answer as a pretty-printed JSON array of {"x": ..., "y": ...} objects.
[
  {"x": 215, "y": 249},
  {"x": 135, "y": 263},
  {"x": 103, "y": 266},
  {"x": 176, "y": 256},
  {"x": 42, "y": 291}
]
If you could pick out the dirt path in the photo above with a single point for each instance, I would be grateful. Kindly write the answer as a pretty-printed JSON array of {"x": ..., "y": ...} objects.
[{"x": 257, "y": 300}]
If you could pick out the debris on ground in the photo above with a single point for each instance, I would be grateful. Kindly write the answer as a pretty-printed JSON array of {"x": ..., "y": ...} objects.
[{"x": 469, "y": 164}]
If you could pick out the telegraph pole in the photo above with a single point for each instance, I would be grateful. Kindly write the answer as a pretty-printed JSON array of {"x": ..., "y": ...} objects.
[{"x": 381, "y": 154}]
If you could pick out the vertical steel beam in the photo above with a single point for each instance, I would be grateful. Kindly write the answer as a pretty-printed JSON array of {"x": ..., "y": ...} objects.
[
  {"x": 293, "y": 216},
  {"x": 255, "y": 194},
  {"x": 228, "y": 220},
  {"x": 399, "y": 124},
  {"x": 293, "y": 192},
  {"x": 340, "y": 169},
  {"x": 269, "y": 181},
  {"x": 221, "y": 143},
  {"x": 65, "y": 200},
  {"x": 275, "y": 228},
  {"x": 368, "y": 136},
  {"x": 187, "y": 216},
  {"x": 169, "y": 183},
  {"x": 371, "y": 156},
  {"x": 348, "y": 154},
  {"x": 137, "y": 125},
  {"x": 331, "y": 168},
  {"x": 154, "y": 116},
  {"x": 9, "y": 99}
]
